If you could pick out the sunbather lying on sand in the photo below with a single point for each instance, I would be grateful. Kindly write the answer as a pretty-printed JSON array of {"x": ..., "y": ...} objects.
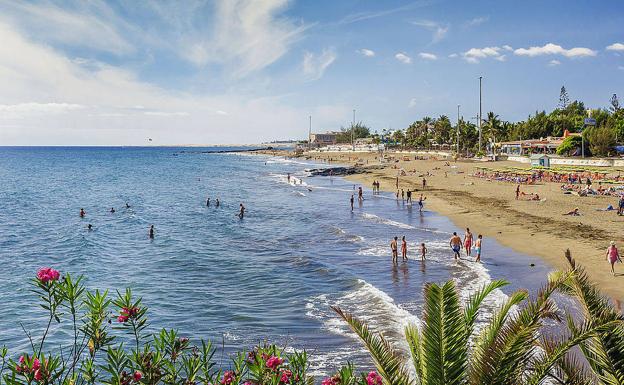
[{"x": 574, "y": 212}]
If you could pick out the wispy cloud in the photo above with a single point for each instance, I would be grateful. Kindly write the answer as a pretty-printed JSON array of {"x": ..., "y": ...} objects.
[
  {"x": 366, "y": 52},
  {"x": 554, "y": 63},
  {"x": 615, "y": 47},
  {"x": 476, "y": 21},
  {"x": 367, "y": 15},
  {"x": 453, "y": 55},
  {"x": 507, "y": 47},
  {"x": 314, "y": 66},
  {"x": 403, "y": 58},
  {"x": 438, "y": 30},
  {"x": 428, "y": 56},
  {"x": 474, "y": 55},
  {"x": 554, "y": 49}
]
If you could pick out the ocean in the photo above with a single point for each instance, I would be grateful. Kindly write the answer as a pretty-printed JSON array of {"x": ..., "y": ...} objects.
[{"x": 270, "y": 276}]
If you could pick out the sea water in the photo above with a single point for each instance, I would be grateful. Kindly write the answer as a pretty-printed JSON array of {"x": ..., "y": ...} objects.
[{"x": 272, "y": 275}]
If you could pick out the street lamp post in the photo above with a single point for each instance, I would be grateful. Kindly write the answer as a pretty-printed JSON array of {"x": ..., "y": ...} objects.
[
  {"x": 353, "y": 132},
  {"x": 458, "y": 129},
  {"x": 480, "y": 112}
]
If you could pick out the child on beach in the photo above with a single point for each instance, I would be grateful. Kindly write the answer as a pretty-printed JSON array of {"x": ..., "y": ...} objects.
[
  {"x": 613, "y": 256},
  {"x": 404, "y": 248},
  {"x": 478, "y": 247},
  {"x": 423, "y": 252}
]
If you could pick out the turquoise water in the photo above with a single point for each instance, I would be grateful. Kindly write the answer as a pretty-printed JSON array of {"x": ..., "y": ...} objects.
[{"x": 272, "y": 275}]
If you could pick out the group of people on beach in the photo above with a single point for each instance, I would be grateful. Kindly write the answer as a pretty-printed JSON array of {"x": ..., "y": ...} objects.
[
  {"x": 455, "y": 242},
  {"x": 394, "y": 246}
]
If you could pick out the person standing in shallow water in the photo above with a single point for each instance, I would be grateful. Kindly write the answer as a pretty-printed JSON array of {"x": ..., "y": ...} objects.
[
  {"x": 455, "y": 244},
  {"x": 241, "y": 212},
  {"x": 208, "y": 202},
  {"x": 478, "y": 247},
  {"x": 404, "y": 248},
  {"x": 360, "y": 194},
  {"x": 82, "y": 213},
  {"x": 352, "y": 201},
  {"x": 394, "y": 247},
  {"x": 217, "y": 203},
  {"x": 151, "y": 232},
  {"x": 423, "y": 252},
  {"x": 468, "y": 242}
]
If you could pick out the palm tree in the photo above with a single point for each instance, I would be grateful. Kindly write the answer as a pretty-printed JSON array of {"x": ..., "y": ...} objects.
[{"x": 509, "y": 350}]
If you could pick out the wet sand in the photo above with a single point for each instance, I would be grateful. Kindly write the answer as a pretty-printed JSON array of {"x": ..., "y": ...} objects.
[{"x": 536, "y": 228}]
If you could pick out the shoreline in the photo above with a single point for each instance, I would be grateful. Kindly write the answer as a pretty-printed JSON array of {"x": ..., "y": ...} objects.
[{"x": 489, "y": 207}]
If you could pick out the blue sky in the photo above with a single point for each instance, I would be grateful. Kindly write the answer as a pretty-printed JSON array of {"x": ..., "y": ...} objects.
[{"x": 199, "y": 72}]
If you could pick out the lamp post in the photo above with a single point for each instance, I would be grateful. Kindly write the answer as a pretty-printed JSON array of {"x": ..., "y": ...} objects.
[
  {"x": 353, "y": 132},
  {"x": 310, "y": 134},
  {"x": 458, "y": 129},
  {"x": 480, "y": 112}
]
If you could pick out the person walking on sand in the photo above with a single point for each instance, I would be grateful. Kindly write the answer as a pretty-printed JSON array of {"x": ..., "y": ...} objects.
[
  {"x": 397, "y": 182},
  {"x": 241, "y": 212},
  {"x": 621, "y": 205},
  {"x": 468, "y": 242},
  {"x": 394, "y": 247},
  {"x": 478, "y": 247},
  {"x": 518, "y": 191},
  {"x": 404, "y": 248},
  {"x": 352, "y": 200},
  {"x": 421, "y": 201},
  {"x": 423, "y": 252},
  {"x": 151, "y": 232},
  {"x": 455, "y": 244},
  {"x": 424, "y": 182},
  {"x": 613, "y": 256}
]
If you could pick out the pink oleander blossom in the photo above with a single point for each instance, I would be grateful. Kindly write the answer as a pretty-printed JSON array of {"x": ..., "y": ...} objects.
[
  {"x": 228, "y": 378},
  {"x": 38, "y": 375},
  {"x": 373, "y": 378},
  {"x": 48, "y": 274},
  {"x": 273, "y": 362},
  {"x": 137, "y": 376},
  {"x": 36, "y": 364},
  {"x": 285, "y": 376}
]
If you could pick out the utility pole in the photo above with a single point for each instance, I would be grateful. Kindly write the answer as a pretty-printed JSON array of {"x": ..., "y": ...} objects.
[
  {"x": 458, "y": 129},
  {"x": 353, "y": 131},
  {"x": 310, "y": 134},
  {"x": 480, "y": 113}
]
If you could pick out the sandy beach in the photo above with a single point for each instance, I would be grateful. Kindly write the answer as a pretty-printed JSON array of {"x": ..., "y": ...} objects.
[{"x": 487, "y": 207}]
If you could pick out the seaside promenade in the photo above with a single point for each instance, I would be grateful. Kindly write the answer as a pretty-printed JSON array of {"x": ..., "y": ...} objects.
[{"x": 490, "y": 207}]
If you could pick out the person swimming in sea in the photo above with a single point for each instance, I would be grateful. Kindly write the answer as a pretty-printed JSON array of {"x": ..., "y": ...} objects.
[
  {"x": 151, "y": 232},
  {"x": 89, "y": 227},
  {"x": 82, "y": 213},
  {"x": 127, "y": 205},
  {"x": 241, "y": 212},
  {"x": 217, "y": 202},
  {"x": 112, "y": 210},
  {"x": 208, "y": 202}
]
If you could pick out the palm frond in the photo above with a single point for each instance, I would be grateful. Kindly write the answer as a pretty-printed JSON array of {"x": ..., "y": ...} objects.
[
  {"x": 472, "y": 309},
  {"x": 388, "y": 363}
]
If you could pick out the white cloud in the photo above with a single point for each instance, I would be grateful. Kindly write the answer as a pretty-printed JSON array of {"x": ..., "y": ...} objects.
[
  {"x": 453, "y": 55},
  {"x": 616, "y": 47},
  {"x": 439, "y": 31},
  {"x": 554, "y": 63},
  {"x": 403, "y": 58},
  {"x": 477, "y": 21},
  {"x": 507, "y": 47},
  {"x": 427, "y": 56},
  {"x": 53, "y": 100},
  {"x": 554, "y": 49},
  {"x": 314, "y": 66},
  {"x": 366, "y": 52},
  {"x": 474, "y": 55},
  {"x": 92, "y": 25}
]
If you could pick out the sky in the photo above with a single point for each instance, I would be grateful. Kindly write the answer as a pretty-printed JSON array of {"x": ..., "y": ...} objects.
[{"x": 246, "y": 71}]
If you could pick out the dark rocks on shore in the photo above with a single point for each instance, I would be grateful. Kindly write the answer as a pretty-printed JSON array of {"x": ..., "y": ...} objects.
[{"x": 341, "y": 171}]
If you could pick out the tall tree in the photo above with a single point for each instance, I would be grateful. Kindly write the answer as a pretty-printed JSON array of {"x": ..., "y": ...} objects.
[
  {"x": 615, "y": 104},
  {"x": 564, "y": 99}
]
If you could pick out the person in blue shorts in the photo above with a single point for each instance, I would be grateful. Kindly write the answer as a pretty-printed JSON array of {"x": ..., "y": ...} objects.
[{"x": 455, "y": 244}]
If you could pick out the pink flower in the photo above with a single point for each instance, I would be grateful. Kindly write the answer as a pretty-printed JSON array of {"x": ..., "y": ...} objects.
[
  {"x": 137, "y": 376},
  {"x": 373, "y": 378},
  {"x": 36, "y": 364},
  {"x": 48, "y": 274},
  {"x": 21, "y": 360},
  {"x": 228, "y": 377},
  {"x": 285, "y": 378},
  {"x": 328, "y": 381},
  {"x": 273, "y": 362},
  {"x": 38, "y": 375},
  {"x": 122, "y": 318},
  {"x": 248, "y": 383}
]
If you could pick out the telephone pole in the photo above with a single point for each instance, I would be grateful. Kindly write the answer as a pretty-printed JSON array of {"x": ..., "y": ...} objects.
[{"x": 480, "y": 112}]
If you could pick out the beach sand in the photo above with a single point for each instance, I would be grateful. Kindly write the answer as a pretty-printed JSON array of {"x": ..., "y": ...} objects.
[{"x": 536, "y": 228}]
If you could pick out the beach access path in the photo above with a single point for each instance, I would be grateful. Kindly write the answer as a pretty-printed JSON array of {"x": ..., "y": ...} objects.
[{"x": 487, "y": 207}]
